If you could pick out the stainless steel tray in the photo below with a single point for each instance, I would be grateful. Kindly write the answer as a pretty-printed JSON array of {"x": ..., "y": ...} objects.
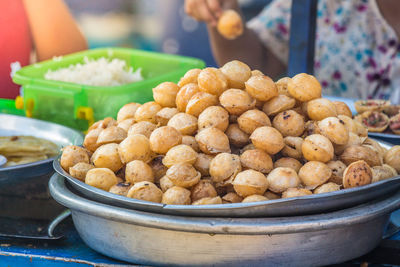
[
  {"x": 155, "y": 239},
  {"x": 17, "y": 125},
  {"x": 312, "y": 204}
]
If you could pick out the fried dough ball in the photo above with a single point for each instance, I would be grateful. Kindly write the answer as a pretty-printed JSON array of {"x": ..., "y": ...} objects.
[
  {"x": 143, "y": 127},
  {"x": 138, "y": 171},
  {"x": 236, "y": 101},
  {"x": 261, "y": 88},
  {"x": 183, "y": 175},
  {"x": 189, "y": 77},
  {"x": 321, "y": 108},
  {"x": 293, "y": 147},
  {"x": 202, "y": 163},
  {"x": 135, "y": 147},
  {"x": 120, "y": 189},
  {"x": 337, "y": 168},
  {"x": 186, "y": 124},
  {"x": 231, "y": 197},
  {"x": 224, "y": 166},
  {"x": 111, "y": 134},
  {"x": 278, "y": 104},
  {"x": 236, "y": 136},
  {"x": 102, "y": 124},
  {"x": 202, "y": 189},
  {"x": 145, "y": 191},
  {"x": 250, "y": 182},
  {"x": 176, "y": 196},
  {"x": 90, "y": 141},
  {"x": 392, "y": 158},
  {"x": 252, "y": 119},
  {"x": 288, "y": 163},
  {"x": 254, "y": 198},
  {"x": 317, "y": 147},
  {"x": 214, "y": 116},
  {"x": 334, "y": 129},
  {"x": 348, "y": 123},
  {"x": 268, "y": 139},
  {"x": 361, "y": 129},
  {"x": 212, "y": 81},
  {"x": 158, "y": 168},
  {"x": 190, "y": 141},
  {"x": 230, "y": 24},
  {"x": 199, "y": 102},
  {"x": 311, "y": 127},
  {"x": 127, "y": 111},
  {"x": 72, "y": 155},
  {"x": 237, "y": 73},
  {"x": 257, "y": 160},
  {"x": 282, "y": 86},
  {"x": 354, "y": 140},
  {"x": 147, "y": 112},
  {"x": 304, "y": 87},
  {"x": 357, "y": 174},
  {"x": 164, "y": 138},
  {"x": 106, "y": 156},
  {"x": 314, "y": 173},
  {"x": 185, "y": 94},
  {"x": 296, "y": 192},
  {"x": 164, "y": 115},
  {"x": 271, "y": 195},
  {"x": 280, "y": 179},
  {"x": 213, "y": 141},
  {"x": 165, "y": 183},
  {"x": 208, "y": 201},
  {"x": 380, "y": 173},
  {"x": 355, "y": 153},
  {"x": 342, "y": 108},
  {"x": 326, "y": 188},
  {"x": 256, "y": 73},
  {"x": 180, "y": 154},
  {"x": 126, "y": 124},
  {"x": 289, "y": 123},
  {"x": 79, "y": 170},
  {"x": 101, "y": 178},
  {"x": 375, "y": 145},
  {"x": 165, "y": 94}
]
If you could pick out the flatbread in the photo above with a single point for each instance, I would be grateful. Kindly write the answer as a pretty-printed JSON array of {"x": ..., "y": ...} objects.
[{"x": 12, "y": 161}]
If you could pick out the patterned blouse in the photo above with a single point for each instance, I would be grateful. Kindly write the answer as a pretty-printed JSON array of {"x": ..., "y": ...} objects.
[{"x": 357, "y": 53}]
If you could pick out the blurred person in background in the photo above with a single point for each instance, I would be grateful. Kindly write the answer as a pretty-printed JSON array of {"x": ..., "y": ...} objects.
[
  {"x": 43, "y": 26},
  {"x": 356, "y": 50}
]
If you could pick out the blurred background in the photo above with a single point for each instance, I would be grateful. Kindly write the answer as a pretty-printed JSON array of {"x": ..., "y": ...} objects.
[{"x": 155, "y": 25}]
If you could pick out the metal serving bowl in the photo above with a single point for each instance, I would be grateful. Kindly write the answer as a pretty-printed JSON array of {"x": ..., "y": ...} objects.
[{"x": 155, "y": 239}]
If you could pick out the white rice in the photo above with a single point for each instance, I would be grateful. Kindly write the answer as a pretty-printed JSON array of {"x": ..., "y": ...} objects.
[{"x": 100, "y": 72}]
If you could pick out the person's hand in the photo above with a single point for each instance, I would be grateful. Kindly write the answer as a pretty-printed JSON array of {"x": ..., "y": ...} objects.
[{"x": 208, "y": 11}]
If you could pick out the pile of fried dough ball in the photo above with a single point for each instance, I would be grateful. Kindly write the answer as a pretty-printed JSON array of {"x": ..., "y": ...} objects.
[{"x": 230, "y": 135}]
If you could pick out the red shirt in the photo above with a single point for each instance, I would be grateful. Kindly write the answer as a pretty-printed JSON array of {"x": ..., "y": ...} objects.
[{"x": 15, "y": 43}]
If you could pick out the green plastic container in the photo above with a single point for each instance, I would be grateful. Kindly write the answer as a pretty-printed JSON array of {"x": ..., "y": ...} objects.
[
  {"x": 76, "y": 105},
  {"x": 7, "y": 106}
]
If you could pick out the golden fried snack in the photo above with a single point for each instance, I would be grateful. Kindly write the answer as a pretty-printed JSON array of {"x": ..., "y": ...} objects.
[
  {"x": 101, "y": 178},
  {"x": 236, "y": 136},
  {"x": 317, "y": 147},
  {"x": 190, "y": 141},
  {"x": 237, "y": 73},
  {"x": 361, "y": 129},
  {"x": 371, "y": 105},
  {"x": 230, "y": 24},
  {"x": 326, "y": 188},
  {"x": 138, "y": 171},
  {"x": 102, "y": 124},
  {"x": 337, "y": 168},
  {"x": 176, "y": 196},
  {"x": 271, "y": 195},
  {"x": 120, "y": 189},
  {"x": 202, "y": 163},
  {"x": 321, "y": 108},
  {"x": 72, "y": 155},
  {"x": 268, "y": 139},
  {"x": 252, "y": 119},
  {"x": 256, "y": 73},
  {"x": 143, "y": 127},
  {"x": 180, "y": 154},
  {"x": 392, "y": 158},
  {"x": 355, "y": 153},
  {"x": 112, "y": 134},
  {"x": 314, "y": 173},
  {"x": 296, "y": 192},
  {"x": 202, "y": 189},
  {"x": 357, "y": 174},
  {"x": 391, "y": 110},
  {"x": 261, "y": 88},
  {"x": 335, "y": 130},
  {"x": 231, "y": 197},
  {"x": 107, "y": 156},
  {"x": 127, "y": 112},
  {"x": 278, "y": 104},
  {"x": 224, "y": 166},
  {"x": 189, "y": 77},
  {"x": 213, "y": 141},
  {"x": 250, "y": 182},
  {"x": 254, "y": 198},
  {"x": 164, "y": 115},
  {"x": 282, "y": 86},
  {"x": 311, "y": 127},
  {"x": 342, "y": 109},
  {"x": 287, "y": 162},
  {"x": 147, "y": 112},
  {"x": 186, "y": 124},
  {"x": 348, "y": 123},
  {"x": 158, "y": 168},
  {"x": 208, "y": 201},
  {"x": 304, "y": 87},
  {"x": 214, "y": 116},
  {"x": 289, "y": 123},
  {"x": 212, "y": 81},
  {"x": 90, "y": 141},
  {"x": 199, "y": 102},
  {"x": 280, "y": 179},
  {"x": 79, "y": 170},
  {"x": 183, "y": 175},
  {"x": 165, "y": 94},
  {"x": 126, "y": 124},
  {"x": 383, "y": 172},
  {"x": 354, "y": 140},
  {"x": 257, "y": 160},
  {"x": 293, "y": 147},
  {"x": 135, "y": 147},
  {"x": 165, "y": 183},
  {"x": 375, "y": 121},
  {"x": 164, "y": 138},
  {"x": 146, "y": 191},
  {"x": 394, "y": 124},
  {"x": 185, "y": 94},
  {"x": 236, "y": 101}
]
